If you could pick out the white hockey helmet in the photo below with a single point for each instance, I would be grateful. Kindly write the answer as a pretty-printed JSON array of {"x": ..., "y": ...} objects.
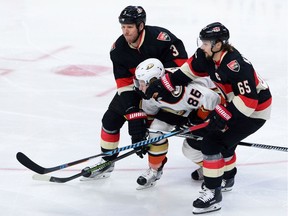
[{"x": 149, "y": 69}]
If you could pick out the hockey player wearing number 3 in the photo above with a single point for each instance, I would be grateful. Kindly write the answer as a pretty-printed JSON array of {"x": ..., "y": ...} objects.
[
  {"x": 137, "y": 43},
  {"x": 248, "y": 105},
  {"x": 170, "y": 111}
]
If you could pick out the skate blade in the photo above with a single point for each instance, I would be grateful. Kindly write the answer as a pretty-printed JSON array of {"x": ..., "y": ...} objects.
[
  {"x": 223, "y": 190},
  {"x": 212, "y": 208},
  {"x": 226, "y": 189},
  {"x": 143, "y": 187},
  {"x": 99, "y": 177}
]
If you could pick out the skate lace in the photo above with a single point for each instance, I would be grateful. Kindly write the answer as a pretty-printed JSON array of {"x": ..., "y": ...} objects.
[
  {"x": 149, "y": 173},
  {"x": 223, "y": 183},
  {"x": 207, "y": 195},
  {"x": 102, "y": 161}
]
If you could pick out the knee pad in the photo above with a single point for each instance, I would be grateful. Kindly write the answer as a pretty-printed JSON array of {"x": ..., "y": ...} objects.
[
  {"x": 192, "y": 154},
  {"x": 158, "y": 125},
  {"x": 112, "y": 121}
]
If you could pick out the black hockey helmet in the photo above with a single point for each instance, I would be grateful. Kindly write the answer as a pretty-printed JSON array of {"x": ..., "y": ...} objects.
[
  {"x": 132, "y": 15},
  {"x": 215, "y": 32}
]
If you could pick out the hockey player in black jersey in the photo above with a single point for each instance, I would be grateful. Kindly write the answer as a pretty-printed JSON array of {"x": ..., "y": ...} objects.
[
  {"x": 248, "y": 106},
  {"x": 137, "y": 43}
]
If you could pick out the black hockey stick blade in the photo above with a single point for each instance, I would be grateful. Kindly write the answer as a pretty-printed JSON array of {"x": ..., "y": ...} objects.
[
  {"x": 27, "y": 162},
  {"x": 82, "y": 173}
]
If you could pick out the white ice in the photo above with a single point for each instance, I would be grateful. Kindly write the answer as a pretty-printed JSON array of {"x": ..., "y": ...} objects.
[{"x": 56, "y": 118}]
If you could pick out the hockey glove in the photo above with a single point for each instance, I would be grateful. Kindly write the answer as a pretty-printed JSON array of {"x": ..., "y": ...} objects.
[
  {"x": 160, "y": 88},
  {"x": 137, "y": 128},
  {"x": 218, "y": 118},
  {"x": 142, "y": 150}
]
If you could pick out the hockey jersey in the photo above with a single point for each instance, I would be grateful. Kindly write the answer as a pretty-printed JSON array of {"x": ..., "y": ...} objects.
[
  {"x": 156, "y": 42},
  {"x": 246, "y": 92},
  {"x": 184, "y": 99}
]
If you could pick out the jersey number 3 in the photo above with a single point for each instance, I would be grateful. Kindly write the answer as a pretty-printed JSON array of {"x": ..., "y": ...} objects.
[{"x": 174, "y": 50}]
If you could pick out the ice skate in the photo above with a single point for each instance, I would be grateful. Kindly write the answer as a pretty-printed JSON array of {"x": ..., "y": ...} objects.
[
  {"x": 197, "y": 175},
  {"x": 208, "y": 201},
  {"x": 226, "y": 185},
  {"x": 101, "y": 173},
  {"x": 148, "y": 178}
]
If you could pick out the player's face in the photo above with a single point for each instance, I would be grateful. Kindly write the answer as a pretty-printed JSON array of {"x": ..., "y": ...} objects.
[
  {"x": 206, "y": 46},
  {"x": 142, "y": 86},
  {"x": 130, "y": 32}
]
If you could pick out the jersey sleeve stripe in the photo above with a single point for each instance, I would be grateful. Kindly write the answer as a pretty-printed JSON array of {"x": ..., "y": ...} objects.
[
  {"x": 245, "y": 105},
  {"x": 179, "y": 62},
  {"x": 187, "y": 69},
  {"x": 122, "y": 82},
  {"x": 264, "y": 105}
]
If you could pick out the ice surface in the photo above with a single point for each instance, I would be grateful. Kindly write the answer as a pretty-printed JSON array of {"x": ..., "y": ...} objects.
[{"x": 54, "y": 116}]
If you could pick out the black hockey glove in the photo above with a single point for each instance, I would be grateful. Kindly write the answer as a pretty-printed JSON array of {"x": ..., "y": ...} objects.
[
  {"x": 137, "y": 128},
  {"x": 140, "y": 93},
  {"x": 218, "y": 118},
  {"x": 162, "y": 87},
  {"x": 142, "y": 150}
]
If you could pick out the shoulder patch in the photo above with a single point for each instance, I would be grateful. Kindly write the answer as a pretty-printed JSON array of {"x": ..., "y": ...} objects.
[
  {"x": 234, "y": 66},
  {"x": 163, "y": 36}
]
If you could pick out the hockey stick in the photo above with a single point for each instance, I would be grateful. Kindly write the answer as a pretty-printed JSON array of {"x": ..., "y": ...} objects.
[
  {"x": 255, "y": 145},
  {"x": 27, "y": 162},
  {"x": 263, "y": 146},
  {"x": 187, "y": 135},
  {"x": 82, "y": 173}
]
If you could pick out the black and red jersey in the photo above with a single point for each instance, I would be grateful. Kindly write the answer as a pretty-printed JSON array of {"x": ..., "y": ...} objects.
[
  {"x": 246, "y": 92},
  {"x": 156, "y": 42}
]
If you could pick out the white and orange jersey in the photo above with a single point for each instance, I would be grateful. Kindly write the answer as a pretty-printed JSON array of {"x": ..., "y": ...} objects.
[{"x": 197, "y": 94}]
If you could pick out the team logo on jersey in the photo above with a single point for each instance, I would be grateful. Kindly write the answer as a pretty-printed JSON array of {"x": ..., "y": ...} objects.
[
  {"x": 163, "y": 36},
  {"x": 177, "y": 92},
  {"x": 234, "y": 66}
]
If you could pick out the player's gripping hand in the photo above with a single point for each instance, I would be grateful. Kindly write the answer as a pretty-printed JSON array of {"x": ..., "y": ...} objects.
[
  {"x": 142, "y": 150},
  {"x": 137, "y": 128},
  {"x": 218, "y": 118},
  {"x": 160, "y": 88}
]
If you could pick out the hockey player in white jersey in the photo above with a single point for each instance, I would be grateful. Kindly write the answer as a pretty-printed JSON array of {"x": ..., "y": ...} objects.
[{"x": 198, "y": 97}]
